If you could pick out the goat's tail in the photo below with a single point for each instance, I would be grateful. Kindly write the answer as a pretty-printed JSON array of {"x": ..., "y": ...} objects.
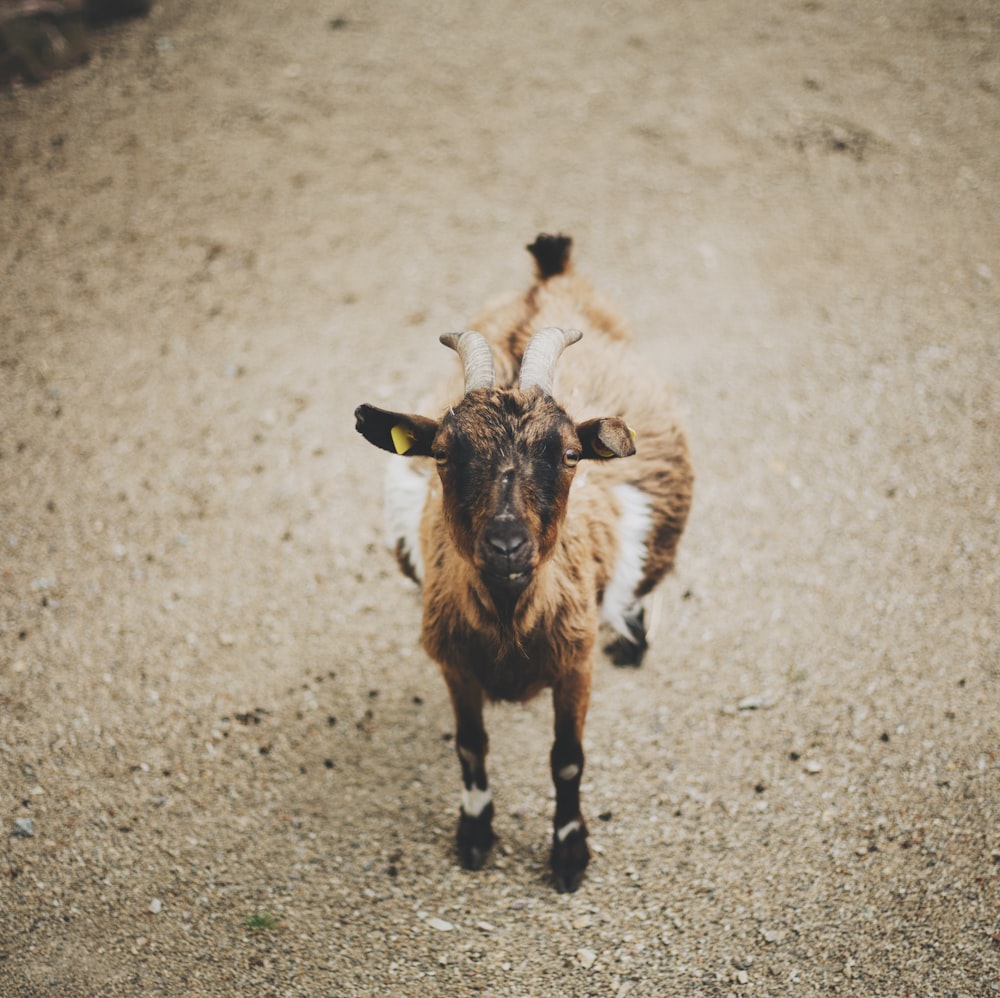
[{"x": 551, "y": 255}]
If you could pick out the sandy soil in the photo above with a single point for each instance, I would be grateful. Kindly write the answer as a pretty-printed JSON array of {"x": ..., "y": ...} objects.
[{"x": 240, "y": 220}]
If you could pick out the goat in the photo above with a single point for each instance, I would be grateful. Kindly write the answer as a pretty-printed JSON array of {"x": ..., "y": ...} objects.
[{"x": 518, "y": 569}]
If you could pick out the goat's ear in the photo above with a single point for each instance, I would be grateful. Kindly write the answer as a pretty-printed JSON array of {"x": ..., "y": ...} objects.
[
  {"x": 396, "y": 432},
  {"x": 606, "y": 438}
]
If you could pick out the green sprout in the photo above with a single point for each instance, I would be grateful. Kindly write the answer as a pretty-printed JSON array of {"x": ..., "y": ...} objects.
[{"x": 261, "y": 921}]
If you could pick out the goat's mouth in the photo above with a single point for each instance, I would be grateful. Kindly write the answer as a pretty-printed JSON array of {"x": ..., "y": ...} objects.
[
  {"x": 507, "y": 580},
  {"x": 507, "y": 577}
]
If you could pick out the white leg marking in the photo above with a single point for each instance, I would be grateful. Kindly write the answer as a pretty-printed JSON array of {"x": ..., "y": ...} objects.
[
  {"x": 405, "y": 494},
  {"x": 634, "y": 523},
  {"x": 474, "y": 801},
  {"x": 562, "y": 834},
  {"x": 569, "y": 772}
]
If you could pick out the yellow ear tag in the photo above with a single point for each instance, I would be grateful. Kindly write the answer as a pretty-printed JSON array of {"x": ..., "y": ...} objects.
[
  {"x": 403, "y": 438},
  {"x": 631, "y": 432}
]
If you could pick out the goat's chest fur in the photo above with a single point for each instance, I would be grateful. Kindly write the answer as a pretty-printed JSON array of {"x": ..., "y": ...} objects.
[
  {"x": 505, "y": 671},
  {"x": 513, "y": 652}
]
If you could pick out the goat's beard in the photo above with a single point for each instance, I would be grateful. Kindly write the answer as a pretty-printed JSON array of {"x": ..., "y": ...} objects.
[
  {"x": 506, "y": 592},
  {"x": 506, "y": 596}
]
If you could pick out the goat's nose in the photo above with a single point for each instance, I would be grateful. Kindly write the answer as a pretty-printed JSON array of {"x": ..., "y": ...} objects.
[{"x": 506, "y": 538}]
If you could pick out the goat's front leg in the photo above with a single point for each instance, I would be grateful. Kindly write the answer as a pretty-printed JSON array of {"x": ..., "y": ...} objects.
[
  {"x": 570, "y": 855},
  {"x": 475, "y": 822}
]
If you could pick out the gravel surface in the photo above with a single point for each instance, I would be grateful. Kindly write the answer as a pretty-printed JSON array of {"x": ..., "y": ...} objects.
[{"x": 226, "y": 766}]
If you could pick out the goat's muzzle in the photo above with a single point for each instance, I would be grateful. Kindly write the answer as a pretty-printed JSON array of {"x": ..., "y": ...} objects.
[{"x": 506, "y": 555}]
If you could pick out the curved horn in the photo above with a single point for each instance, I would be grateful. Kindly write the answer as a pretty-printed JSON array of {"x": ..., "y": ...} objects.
[
  {"x": 476, "y": 358},
  {"x": 538, "y": 366}
]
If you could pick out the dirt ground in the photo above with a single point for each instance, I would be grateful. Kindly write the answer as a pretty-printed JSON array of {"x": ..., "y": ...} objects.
[{"x": 225, "y": 763}]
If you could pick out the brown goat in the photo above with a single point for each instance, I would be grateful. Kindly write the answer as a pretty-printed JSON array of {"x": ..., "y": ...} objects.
[{"x": 519, "y": 569}]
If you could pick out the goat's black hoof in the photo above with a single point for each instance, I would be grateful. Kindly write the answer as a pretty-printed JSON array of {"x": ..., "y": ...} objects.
[
  {"x": 472, "y": 857},
  {"x": 475, "y": 838},
  {"x": 629, "y": 651},
  {"x": 625, "y": 654},
  {"x": 569, "y": 882},
  {"x": 570, "y": 857}
]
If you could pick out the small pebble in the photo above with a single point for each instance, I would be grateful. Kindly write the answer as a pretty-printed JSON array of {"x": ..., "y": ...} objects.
[
  {"x": 440, "y": 924},
  {"x": 756, "y": 702},
  {"x": 24, "y": 828},
  {"x": 155, "y": 906},
  {"x": 586, "y": 958}
]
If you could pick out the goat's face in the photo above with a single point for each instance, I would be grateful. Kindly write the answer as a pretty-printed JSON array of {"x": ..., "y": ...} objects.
[{"x": 506, "y": 459}]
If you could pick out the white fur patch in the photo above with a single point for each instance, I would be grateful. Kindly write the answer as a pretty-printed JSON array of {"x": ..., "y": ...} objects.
[
  {"x": 562, "y": 834},
  {"x": 474, "y": 800},
  {"x": 405, "y": 494},
  {"x": 634, "y": 523},
  {"x": 570, "y": 772}
]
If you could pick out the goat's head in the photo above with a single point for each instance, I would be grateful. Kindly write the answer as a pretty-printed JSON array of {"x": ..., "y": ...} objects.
[{"x": 506, "y": 457}]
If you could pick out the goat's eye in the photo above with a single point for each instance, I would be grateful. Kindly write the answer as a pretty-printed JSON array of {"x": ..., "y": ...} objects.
[
  {"x": 441, "y": 457},
  {"x": 572, "y": 457}
]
